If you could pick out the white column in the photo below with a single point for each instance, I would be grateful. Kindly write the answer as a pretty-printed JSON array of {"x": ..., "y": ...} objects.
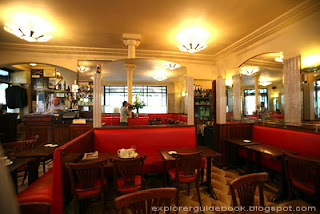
[
  {"x": 190, "y": 100},
  {"x": 221, "y": 101},
  {"x": 292, "y": 90},
  {"x": 131, "y": 41},
  {"x": 236, "y": 92},
  {"x": 129, "y": 68},
  {"x": 97, "y": 98},
  {"x": 256, "y": 90}
]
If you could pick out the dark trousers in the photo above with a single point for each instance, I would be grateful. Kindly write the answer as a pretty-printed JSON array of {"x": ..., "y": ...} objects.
[{"x": 123, "y": 123}]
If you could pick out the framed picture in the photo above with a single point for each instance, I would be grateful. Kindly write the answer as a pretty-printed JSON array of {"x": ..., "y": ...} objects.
[{"x": 49, "y": 72}]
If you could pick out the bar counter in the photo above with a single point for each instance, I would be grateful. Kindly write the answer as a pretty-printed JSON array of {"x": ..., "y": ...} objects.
[{"x": 52, "y": 129}]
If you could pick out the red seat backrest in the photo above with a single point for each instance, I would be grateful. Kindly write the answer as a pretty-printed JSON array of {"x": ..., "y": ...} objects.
[
  {"x": 146, "y": 140},
  {"x": 302, "y": 142}
]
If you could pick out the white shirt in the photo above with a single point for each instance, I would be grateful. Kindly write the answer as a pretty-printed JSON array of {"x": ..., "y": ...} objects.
[
  {"x": 53, "y": 108},
  {"x": 124, "y": 113}
]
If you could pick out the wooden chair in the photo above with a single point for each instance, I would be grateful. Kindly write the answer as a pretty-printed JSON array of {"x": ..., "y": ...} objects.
[
  {"x": 128, "y": 174},
  {"x": 87, "y": 181},
  {"x": 302, "y": 174},
  {"x": 142, "y": 201},
  {"x": 187, "y": 171},
  {"x": 245, "y": 186},
  {"x": 15, "y": 147},
  {"x": 35, "y": 208}
]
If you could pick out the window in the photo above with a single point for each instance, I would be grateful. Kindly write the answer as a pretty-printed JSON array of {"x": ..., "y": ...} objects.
[
  {"x": 4, "y": 76},
  {"x": 250, "y": 100},
  {"x": 155, "y": 97}
]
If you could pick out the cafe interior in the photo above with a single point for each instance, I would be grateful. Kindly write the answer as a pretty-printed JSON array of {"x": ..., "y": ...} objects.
[{"x": 222, "y": 111}]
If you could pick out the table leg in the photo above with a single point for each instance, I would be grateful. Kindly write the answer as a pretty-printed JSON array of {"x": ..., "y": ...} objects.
[
  {"x": 283, "y": 191},
  {"x": 165, "y": 178},
  {"x": 209, "y": 184},
  {"x": 14, "y": 175},
  {"x": 33, "y": 172}
]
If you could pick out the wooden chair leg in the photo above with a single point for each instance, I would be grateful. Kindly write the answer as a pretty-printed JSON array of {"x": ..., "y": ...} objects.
[
  {"x": 76, "y": 206},
  {"x": 177, "y": 197},
  {"x": 198, "y": 192},
  {"x": 44, "y": 166},
  {"x": 24, "y": 176},
  {"x": 202, "y": 175},
  {"x": 188, "y": 188}
]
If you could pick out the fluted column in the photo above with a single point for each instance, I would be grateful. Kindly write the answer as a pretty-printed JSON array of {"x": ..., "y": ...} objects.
[
  {"x": 256, "y": 90},
  {"x": 221, "y": 101},
  {"x": 292, "y": 90},
  {"x": 236, "y": 91}
]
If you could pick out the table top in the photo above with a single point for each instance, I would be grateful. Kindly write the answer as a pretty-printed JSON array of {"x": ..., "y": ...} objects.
[
  {"x": 39, "y": 151},
  {"x": 310, "y": 157},
  {"x": 206, "y": 152},
  {"x": 19, "y": 162},
  {"x": 239, "y": 141},
  {"x": 273, "y": 151}
]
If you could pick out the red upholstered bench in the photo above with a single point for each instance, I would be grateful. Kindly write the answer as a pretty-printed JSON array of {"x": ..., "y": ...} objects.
[{"x": 301, "y": 142}]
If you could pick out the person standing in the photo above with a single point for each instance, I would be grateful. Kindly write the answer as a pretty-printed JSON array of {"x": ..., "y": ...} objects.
[
  {"x": 124, "y": 113},
  {"x": 263, "y": 114}
]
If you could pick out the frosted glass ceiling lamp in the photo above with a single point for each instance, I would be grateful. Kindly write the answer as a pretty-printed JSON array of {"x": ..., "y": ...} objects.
[
  {"x": 83, "y": 69},
  {"x": 29, "y": 28},
  {"x": 192, "y": 40},
  {"x": 160, "y": 78},
  {"x": 171, "y": 65},
  {"x": 28, "y": 33},
  {"x": 265, "y": 83},
  {"x": 250, "y": 70},
  {"x": 279, "y": 58}
]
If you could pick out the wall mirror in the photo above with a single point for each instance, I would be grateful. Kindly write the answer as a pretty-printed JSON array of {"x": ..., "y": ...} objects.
[
  {"x": 310, "y": 87},
  {"x": 259, "y": 84},
  {"x": 159, "y": 84}
]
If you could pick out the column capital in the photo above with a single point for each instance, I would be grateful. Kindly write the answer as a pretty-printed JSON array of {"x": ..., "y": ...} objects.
[
  {"x": 131, "y": 39},
  {"x": 129, "y": 67}
]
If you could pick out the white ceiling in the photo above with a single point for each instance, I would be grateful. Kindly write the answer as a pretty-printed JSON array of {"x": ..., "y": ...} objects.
[{"x": 101, "y": 24}]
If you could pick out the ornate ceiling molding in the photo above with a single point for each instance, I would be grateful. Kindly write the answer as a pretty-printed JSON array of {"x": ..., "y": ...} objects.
[
  {"x": 114, "y": 52},
  {"x": 297, "y": 13},
  {"x": 264, "y": 63}
]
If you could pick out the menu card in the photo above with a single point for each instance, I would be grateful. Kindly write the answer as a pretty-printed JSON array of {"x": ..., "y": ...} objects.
[{"x": 90, "y": 155}]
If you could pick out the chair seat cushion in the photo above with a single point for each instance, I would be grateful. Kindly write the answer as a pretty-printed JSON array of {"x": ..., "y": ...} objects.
[
  {"x": 172, "y": 174},
  {"x": 89, "y": 193},
  {"x": 121, "y": 184}
]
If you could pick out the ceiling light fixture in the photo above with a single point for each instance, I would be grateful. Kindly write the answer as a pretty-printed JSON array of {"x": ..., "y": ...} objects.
[
  {"x": 264, "y": 83},
  {"x": 171, "y": 65},
  {"x": 33, "y": 64},
  {"x": 279, "y": 58},
  {"x": 160, "y": 75},
  {"x": 249, "y": 70},
  {"x": 29, "y": 28},
  {"x": 192, "y": 40},
  {"x": 83, "y": 69}
]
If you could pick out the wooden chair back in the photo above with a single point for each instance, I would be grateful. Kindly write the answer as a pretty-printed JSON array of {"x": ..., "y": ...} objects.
[
  {"x": 303, "y": 171},
  {"x": 15, "y": 147},
  {"x": 128, "y": 169},
  {"x": 141, "y": 202},
  {"x": 245, "y": 186},
  {"x": 188, "y": 163},
  {"x": 84, "y": 176},
  {"x": 35, "y": 208}
]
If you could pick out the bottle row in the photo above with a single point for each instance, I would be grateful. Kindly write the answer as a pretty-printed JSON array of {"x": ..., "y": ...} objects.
[{"x": 200, "y": 92}]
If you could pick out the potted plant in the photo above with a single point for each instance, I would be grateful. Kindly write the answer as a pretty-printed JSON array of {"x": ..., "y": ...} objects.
[{"x": 137, "y": 104}]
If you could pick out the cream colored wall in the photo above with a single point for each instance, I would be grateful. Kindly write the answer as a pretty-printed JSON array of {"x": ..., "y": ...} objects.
[{"x": 301, "y": 38}]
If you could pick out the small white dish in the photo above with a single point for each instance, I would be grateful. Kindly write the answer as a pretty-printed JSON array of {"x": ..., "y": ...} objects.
[
  {"x": 246, "y": 141},
  {"x": 172, "y": 152},
  {"x": 51, "y": 145},
  {"x": 8, "y": 162}
]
